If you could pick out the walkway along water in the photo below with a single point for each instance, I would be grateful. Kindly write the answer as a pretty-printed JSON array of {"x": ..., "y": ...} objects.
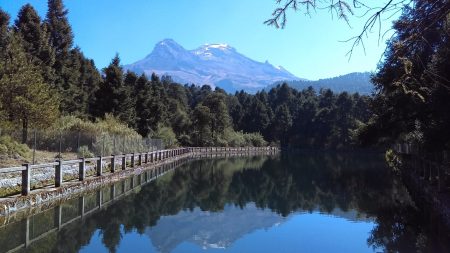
[{"x": 106, "y": 172}]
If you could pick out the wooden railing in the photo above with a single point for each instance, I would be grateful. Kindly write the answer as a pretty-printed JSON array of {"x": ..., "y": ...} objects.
[
  {"x": 231, "y": 149},
  {"x": 114, "y": 192},
  {"x": 405, "y": 148},
  {"x": 134, "y": 159},
  {"x": 431, "y": 167}
]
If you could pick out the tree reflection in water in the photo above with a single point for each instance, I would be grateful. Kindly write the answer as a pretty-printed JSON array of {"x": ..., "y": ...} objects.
[{"x": 351, "y": 183}]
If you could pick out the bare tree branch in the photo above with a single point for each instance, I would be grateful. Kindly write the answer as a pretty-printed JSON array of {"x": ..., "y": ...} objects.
[{"x": 343, "y": 9}]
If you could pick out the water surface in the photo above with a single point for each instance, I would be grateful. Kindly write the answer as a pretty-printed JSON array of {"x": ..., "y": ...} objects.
[{"x": 296, "y": 202}]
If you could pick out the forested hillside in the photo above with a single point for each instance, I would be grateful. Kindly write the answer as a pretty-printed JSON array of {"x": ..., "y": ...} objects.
[
  {"x": 353, "y": 82},
  {"x": 44, "y": 77}
]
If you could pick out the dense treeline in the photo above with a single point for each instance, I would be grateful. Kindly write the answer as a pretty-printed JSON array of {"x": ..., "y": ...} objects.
[
  {"x": 413, "y": 82},
  {"x": 43, "y": 76}
]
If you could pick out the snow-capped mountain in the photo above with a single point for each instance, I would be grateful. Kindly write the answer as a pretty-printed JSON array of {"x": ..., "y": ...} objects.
[
  {"x": 211, "y": 230},
  {"x": 213, "y": 64}
]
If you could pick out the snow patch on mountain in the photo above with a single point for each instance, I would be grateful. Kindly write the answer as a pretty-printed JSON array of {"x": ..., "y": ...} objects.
[{"x": 213, "y": 64}]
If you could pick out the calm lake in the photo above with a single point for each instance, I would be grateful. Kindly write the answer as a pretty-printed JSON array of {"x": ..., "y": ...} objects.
[{"x": 294, "y": 202}]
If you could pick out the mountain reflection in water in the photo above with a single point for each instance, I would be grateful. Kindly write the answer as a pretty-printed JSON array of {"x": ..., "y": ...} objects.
[{"x": 294, "y": 202}]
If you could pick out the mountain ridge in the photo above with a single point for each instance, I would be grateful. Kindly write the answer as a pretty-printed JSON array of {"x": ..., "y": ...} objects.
[
  {"x": 213, "y": 64},
  {"x": 355, "y": 82}
]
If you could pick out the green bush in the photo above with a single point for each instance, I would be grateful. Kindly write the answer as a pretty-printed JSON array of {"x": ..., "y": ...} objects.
[
  {"x": 84, "y": 151},
  {"x": 255, "y": 139},
  {"x": 167, "y": 135},
  {"x": 11, "y": 148},
  {"x": 103, "y": 137},
  {"x": 233, "y": 138},
  {"x": 185, "y": 140},
  {"x": 109, "y": 124}
]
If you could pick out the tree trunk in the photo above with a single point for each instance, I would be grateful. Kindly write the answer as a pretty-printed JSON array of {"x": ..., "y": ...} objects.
[{"x": 24, "y": 131}]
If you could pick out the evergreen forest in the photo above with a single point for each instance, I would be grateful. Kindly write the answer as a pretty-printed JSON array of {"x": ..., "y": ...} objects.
[{"x": 45, "y": 77}]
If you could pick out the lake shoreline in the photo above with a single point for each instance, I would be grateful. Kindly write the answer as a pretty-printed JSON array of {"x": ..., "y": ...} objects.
[
  {"x": 18, "y": 203},
  {"x": 48, "y": 197}
]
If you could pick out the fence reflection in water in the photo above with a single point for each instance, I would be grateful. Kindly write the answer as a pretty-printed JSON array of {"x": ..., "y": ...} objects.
[{"x": 20, "y": 234}]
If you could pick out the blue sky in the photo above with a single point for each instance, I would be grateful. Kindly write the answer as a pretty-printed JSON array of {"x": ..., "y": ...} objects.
[{"x": 309, "y": 47}]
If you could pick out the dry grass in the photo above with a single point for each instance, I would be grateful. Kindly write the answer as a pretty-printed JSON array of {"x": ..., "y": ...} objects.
[{"x": 40, "y": 157}]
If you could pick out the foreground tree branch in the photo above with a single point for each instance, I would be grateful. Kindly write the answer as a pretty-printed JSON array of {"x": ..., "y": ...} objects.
[{"x": 343, "y": 10}]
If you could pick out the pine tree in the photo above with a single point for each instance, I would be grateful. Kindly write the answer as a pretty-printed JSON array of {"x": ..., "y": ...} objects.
[
  {"x": 36, "y": 41},
  {"x": 4, "y": 30},
  {"x": 89, "y": 81},
  {"x": 282, "y": 124},
  {"x": 113, "y": 96},
  {"x": 28, "y": 25},
  {"x": 66, "y": 65},
  {"x": 143, "y": 106},
  {"x": 258, "y": 117},
  {"x": 202, "y": 121},
  {"x": 220, "y": 119},
  {"x": 158, "y": 105},
  {"x": 25, "y": 98},
  {"x": 61, "y": 36}
]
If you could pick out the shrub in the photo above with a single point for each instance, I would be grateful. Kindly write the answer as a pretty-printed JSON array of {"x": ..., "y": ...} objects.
[
  {"x": 84, "y": 151},
  {"x": 233, "y": 138},
  {"x": 167, "y": 135},
  {"x": 185, "y": 140},
  {"x": 11, "y": 148},
  {"x": 102, "y": 137},
  {"x": 255, "y": 139}
]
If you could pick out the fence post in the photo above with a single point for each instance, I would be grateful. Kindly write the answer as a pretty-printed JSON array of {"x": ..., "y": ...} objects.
[
  {"x": 123, "y": 144},
  {"x": 58, "y": 174},
  {"x": 113, "y": 164},
  {"x": 132, "y": 160},
  {"x": 78, "y": 141},
  {"x": 99, "y": 166},
  {"x": 113, "y": 191},
  {"x": 58, "y": 216},
  {"x": 82, "y": 169},
  {"x": 124, "y": 162},
  {"x": 103, "y": 145},
  {"x": 100, "y": 198},
  {"x": 27, "y": 232},
  {"x": 81, "y": 206},
  {"x": 60, "y": 145},
  {"x": 34, "y": 147},
  {"x": 26, "y": 180},
  {"x": 114, "y": 145}
]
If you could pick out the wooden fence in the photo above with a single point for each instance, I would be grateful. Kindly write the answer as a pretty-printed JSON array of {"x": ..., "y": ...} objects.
[
  {"x": 103, "y": 198},
  {"x": 125, "y": 161},
  {"x": 433, "y": 168}
]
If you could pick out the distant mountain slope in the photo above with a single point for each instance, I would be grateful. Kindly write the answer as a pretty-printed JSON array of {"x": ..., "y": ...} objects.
[
  {"x": 210, "y": 230},
  {"x": 213, "y": 64},
  {"x": 353, "y": 82}
]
